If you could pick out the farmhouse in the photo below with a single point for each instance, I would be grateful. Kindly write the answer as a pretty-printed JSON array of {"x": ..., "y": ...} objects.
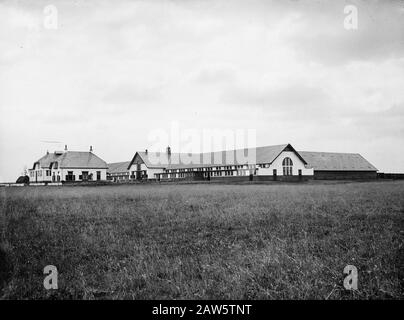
[
  {"x": 280, "y": 162},
  {"x": 118, "y": 171},
  {"x": 62, "y": 166},
  {"x": 331, "y": 165}
]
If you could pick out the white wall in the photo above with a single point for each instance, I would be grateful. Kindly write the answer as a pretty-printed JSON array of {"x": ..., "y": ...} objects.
[
  {"x": 41, "y": 175},
  {"x": 150, "y": 171},
  {"x": 78, "y": 172},
  {"x": 63, "y": 172},
  {"x": 277, "y": 164}
]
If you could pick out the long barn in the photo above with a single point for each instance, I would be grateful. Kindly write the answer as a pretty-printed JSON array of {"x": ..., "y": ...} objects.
[
  {"x": 118, "y": 171},
  {"x": 332, "y": 165},
  {"x": 280, "y": 162}
]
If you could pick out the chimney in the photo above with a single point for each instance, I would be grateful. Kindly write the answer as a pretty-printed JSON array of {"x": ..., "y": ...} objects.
[
  {"x": 91, "y": 148},
  {"x": 169, "y": 150},
  {"x": 65, "y": 147},
  {"x": 145, "y": 151}
]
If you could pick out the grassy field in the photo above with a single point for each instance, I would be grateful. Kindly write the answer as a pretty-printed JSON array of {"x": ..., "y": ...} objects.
[{"x": 203, "y": 241}]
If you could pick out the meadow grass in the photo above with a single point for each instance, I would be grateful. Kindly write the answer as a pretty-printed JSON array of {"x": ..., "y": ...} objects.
[{"x": 281, "y": 241}]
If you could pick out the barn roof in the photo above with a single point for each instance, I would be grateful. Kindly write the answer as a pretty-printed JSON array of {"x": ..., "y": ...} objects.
[
  {"x": 265, "y": 154},
  {"x": 118, "y": 167},
  {"x": 337, "y": 161},
  {"x": 72, "y": 159}
]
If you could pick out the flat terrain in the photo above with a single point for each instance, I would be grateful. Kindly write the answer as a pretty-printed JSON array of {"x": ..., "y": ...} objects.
[{"x": 203, "y": 241}]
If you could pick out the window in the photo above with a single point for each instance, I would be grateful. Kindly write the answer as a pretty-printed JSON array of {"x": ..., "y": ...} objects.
[
  {"x": 84, "y": 175},
  {"x": 70, "y": 176},
  {"x": 99, "y": 175},
  {"x": 287, "y": 165},
  {"x": 48, "y": 173}
]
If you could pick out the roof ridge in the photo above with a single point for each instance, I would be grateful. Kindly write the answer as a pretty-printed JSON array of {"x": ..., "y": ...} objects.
[
  {"x": 329, "y": 152},
  {"x": 229, "y": 150}
]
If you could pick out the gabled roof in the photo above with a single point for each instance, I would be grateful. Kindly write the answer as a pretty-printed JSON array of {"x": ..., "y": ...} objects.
[
  {"x": 118, "y": 167},
  {"x": 337, "y": 161},
  {"x": 72, "y": 159},
  {"x": 47, "y": 160},
  {"x": 257, "y": 155}
]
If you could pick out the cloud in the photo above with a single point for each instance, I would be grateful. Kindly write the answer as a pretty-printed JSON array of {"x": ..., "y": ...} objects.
[
  {"x": 131, "y": 94},
  {"x": 113, "y": 71},
  {"x": 385, "y": 123},
  {"x": 322, "y": 37},
  {"x": 289, "y": 102},
  {"x": 302, "y": 95},
  {"x": 213, "y": 74}
]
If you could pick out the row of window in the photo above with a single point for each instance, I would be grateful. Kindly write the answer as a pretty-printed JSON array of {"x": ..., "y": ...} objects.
[
  {"x": 84, "y": 176},
  {"x": 287, "y": 165},
  {"x": 212, "y": 174},
  {"x": 223, "y": 168},
  {"x": 120, "y": 173},
  {"x": 40, "y": 173}
]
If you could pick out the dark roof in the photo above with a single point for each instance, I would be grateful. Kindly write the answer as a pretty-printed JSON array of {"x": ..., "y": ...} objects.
[
  {"x": 337, "y": 161},
  {"x": 265, "y": 154},
  {"x": 72, "y": 159},
  {"x": 118, "y": 167}
]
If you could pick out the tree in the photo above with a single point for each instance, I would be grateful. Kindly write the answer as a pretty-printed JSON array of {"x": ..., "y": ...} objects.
[{"x": 24, "y": 171}]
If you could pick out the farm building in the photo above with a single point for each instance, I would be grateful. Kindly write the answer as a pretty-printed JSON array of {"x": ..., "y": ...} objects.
[
  {"x": 62, "y": 166},
  {"x": 280, "y": 162},
  {"x": 331, "y": 165},
  {"x": 118, "y": 171}
]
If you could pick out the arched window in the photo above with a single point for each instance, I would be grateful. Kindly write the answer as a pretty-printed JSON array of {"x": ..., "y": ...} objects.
[{"x": 287, "y": 166}]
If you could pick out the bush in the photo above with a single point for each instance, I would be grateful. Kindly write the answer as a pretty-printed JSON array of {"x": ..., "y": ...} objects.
[{"x": 23, "y": 179}]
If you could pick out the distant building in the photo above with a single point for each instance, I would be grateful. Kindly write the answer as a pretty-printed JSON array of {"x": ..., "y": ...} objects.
[
  {"x": 332, "y": 165},
  {"x": 62, "y": 166},
  {"x": 280, "y": 162},
  {"x": 118, "y": 171}
]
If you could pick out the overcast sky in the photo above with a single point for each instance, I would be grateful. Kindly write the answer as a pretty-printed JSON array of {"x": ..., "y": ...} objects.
[{"x": 113, "y": 71}]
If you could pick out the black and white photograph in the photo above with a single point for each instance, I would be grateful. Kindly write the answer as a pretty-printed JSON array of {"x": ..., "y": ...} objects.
[{"x": 213, "y": 152}]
